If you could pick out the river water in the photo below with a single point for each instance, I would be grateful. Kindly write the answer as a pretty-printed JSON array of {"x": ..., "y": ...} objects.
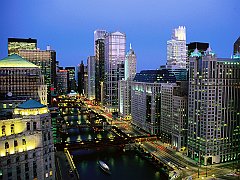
[{"x": 126, "y": 165}]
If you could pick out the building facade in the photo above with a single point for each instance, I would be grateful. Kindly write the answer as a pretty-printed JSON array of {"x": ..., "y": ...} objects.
[
  {"x": 71, "y": 79},
  {"x": 80, "y": 77},
  {"x": 124, "y": 86},
  {"x": 15, "y": 44},
  {"x": 62, "y": 82},
  {"x": 20, "y": 80},
  {"x": 176, "y": 49},
  {"x": 91, "y": 77},
  {"x": 213, "y": 119},
  {"x": 115, "y": 44},
  {"x": 26, "y": 143},
  {"x": 46, "y": 60}
]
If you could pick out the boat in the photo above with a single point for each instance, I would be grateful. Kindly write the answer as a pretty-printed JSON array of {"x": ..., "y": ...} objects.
[{"x": 104, "y": 167}]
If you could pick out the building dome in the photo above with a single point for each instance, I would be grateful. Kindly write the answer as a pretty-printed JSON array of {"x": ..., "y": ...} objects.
[
  {"x": 14, "y": 61},
  {"x": 31, "y": 104}
]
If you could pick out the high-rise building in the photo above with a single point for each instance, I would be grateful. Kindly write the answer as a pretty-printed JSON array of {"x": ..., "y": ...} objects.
[
  {"x": 20, "y": 80},
  {"x": 46, "y": 60},
  {"x": 71, "y": 80},
  {"x": 146, "y": 98},
  {"x": 214, "y": 106},
  {"x": 99, "y": 70},
  {"x": 200, "y": 46},
  {"x": 91, "y": 77},
  {"x": 236, "y": 46},
  {"x": 85, "y": 84},
  {"x": 81, "y": 78},
  {"x": 115, "y": 44},
  {"x": 15, "y": 44},
  {"x": 173, "y": 124},
  {"x": 62, "y": 82},
  {"x": 176, "y": 49},
  {"x": 124, "y": 87},
  {"x": 26, "y": 143},
  {"x": 99, "y": 34}
]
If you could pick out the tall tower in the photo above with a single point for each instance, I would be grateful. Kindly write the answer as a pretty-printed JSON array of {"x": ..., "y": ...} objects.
[
  {"x": 81, "y": 78},
  {"x": 213, "y": 119},
  {"x": 91, "y": 77},
  {"x": 115, "y": 44},
  {"x": 124, "y": 86},
  {"x": 176, "y": 49},
  {"x": 99, "y": 52}
]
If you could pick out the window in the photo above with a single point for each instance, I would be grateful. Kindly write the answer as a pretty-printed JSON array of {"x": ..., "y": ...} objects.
[
  {"x": 6, "y": 145},
  {"x": 15, "y": 143},
  {"x": 4, "y": 130},
  {"x": 34, "y": 125},
  {"x": 23, "y": 142},
  {"x": 12, "y": 129},
  {"x": 28, "y": 126}
]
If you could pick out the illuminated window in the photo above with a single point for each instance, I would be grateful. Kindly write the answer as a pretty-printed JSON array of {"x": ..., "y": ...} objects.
[{"x": 34, "y": 125}]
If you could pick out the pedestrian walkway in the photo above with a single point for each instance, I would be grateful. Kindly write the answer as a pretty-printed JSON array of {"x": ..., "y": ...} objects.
[{"x": 64, "y": 170}]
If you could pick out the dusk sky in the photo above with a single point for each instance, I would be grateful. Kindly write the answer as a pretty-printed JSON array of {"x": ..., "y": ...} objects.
[{"x": 68, "y": 25}]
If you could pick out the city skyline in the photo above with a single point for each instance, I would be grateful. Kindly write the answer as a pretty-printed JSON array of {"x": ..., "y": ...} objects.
[{"x": 69, "y": 28}]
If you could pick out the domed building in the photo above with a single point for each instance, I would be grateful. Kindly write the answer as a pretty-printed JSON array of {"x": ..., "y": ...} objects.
[
  {"x": 20, "y": 80},
  {"x": 26, "y": 143}
]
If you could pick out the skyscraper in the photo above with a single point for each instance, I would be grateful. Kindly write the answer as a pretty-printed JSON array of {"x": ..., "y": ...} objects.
[
  {"x": 20, "y": 80},
  {"x": 124, "y": 87},
  {"x": 15, "y": 44},
  {"x": 62, "y": 81},
  {"x": 115, "y": 44},
  {"x": 80, "y": 77},
  {"x": 99, "y": 70},
  {"x": 46, "y": 60},
  {"x": 176, "y": 49},
  {"x": 236, "y": 46},
  {"x": 71, "y": 78},
  {"x": 214, "y": 118},
  {"x": 91, "y": 77}
]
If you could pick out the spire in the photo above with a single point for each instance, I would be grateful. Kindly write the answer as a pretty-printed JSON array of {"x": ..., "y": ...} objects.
[{"x": 130, "y": 46}]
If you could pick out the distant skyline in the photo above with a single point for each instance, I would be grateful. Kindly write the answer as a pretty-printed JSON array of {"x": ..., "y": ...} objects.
[{"x": 68, "y": 26}]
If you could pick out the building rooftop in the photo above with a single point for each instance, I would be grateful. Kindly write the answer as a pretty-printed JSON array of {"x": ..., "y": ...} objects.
[
  {"x": 15, "y": 60},
  {"x": 30, "y": 104}
]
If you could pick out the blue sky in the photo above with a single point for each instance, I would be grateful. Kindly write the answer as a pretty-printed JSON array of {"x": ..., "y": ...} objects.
[{"x": 68, "y": 25}]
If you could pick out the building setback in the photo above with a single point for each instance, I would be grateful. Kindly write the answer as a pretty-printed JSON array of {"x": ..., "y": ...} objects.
[{"x": 214, "y": 118}]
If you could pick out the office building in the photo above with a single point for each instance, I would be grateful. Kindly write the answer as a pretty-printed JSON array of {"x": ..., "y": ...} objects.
[
  {"x": 115, "y": 44},
  {"x": 146, "y": 98},
  {"x": 91, "y": 77},
  {"x": 62, "y": 82},
  {"x": 46, "y": 60},
  {"x": 71, "y": 79},
  {"x": 124, "y": 86},
  {"x": 85, "y": 83},
  {"x": 236, "y": 46},
  {"x": 213, "y": 120},
  {"x": 15, "y": 44},
  {"x": 99, "y": 70},
  {"x": 20, "y": 80},
  {"x": 200, "y": 46},
  {"x": 26, "y": 143},
  {"x": 99, "y": 34},
  {"x": 176, "y": 49},
  {"x": 173, "y": 124},
  {"x": 80, "y": 77}
]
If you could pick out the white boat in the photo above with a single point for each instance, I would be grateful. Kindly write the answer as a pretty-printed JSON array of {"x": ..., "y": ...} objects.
[{"x": 104, "y": 167}]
